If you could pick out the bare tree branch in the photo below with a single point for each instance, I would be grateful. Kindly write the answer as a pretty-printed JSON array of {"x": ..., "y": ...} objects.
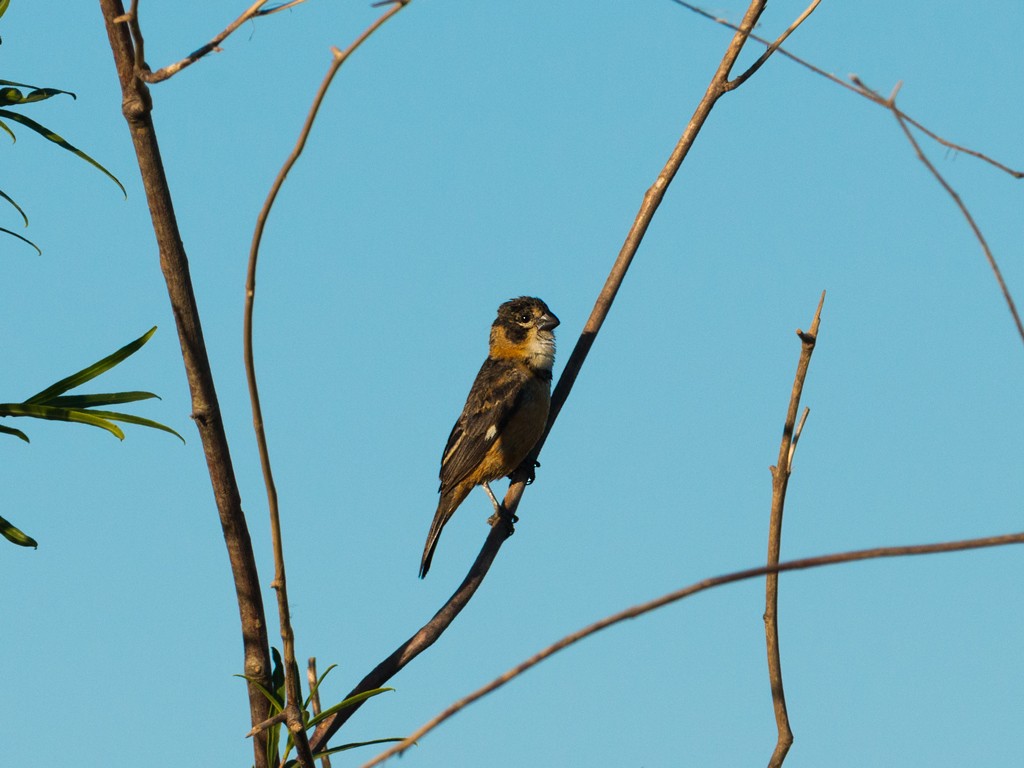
[
  {"x": 741, "y": 79},
  {"x": 904, "y": 121},
  {"x": 293, "y": 691},
  {"x": 499, "y": 532},
  {"x": 314, "y": 699},
  {"x": 963, "y": 209},
  {"x": 293, "y": 703},
  {"x": 780, "y": 481},
  {"x": 419, "y": 642},
  {"x": 680, "y": 594},
  {"x": 137, "y": 107},
  {"x": 132, "y": 19},
  {"x": 866, "y": 93}
]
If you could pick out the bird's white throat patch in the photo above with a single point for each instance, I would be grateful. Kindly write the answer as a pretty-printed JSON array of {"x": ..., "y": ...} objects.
[{"x": 541, "y": 350}]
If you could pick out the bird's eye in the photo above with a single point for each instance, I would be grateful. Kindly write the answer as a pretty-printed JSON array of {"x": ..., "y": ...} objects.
[{"x": 524, "y": 317}]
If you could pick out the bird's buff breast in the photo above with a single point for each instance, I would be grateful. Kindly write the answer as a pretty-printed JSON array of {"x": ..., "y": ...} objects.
[{"x": 521, "y": 433}]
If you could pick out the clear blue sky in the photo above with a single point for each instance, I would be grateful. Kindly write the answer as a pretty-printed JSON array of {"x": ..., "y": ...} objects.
[{"x": 469, "y": 153}]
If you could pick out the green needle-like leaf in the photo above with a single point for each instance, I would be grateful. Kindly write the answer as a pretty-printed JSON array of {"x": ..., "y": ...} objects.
[
  {"x": 14, "y": 535},
  {"x": 277, "y": 673},
  {"x": 3, "y": 6},
  {"x": 13, "y": 96},
  {"x": 36, "y": 87},
  {"x": 17, "y": 207},
  {"x": 8, "y": 131},
  {"x": 275, "y": 703},
  {"x": 354, "y": 745},
  {"x": 9, "y": 96},
  {"x": 49, "y": 135},
  {"x": 12, "y": 431},
  {"x": 105, "y": 398},
  {"x": 346, "y": 703},
  {"x": 23, "y": 239},
  {"x": 61, "y": 414},
  {"x": 128, "y": 418},
  {"x": 316, "y": 687},
  {"x": 92, "y": 371}
]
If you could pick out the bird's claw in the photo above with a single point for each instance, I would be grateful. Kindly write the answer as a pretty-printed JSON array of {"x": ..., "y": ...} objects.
[
  {"x": 525, "y": 472},
  {"x": 502, "y": 516}
]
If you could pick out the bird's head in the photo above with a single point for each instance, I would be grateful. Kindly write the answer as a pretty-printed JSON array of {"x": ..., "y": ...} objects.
[{"x": 524, "y": 330}]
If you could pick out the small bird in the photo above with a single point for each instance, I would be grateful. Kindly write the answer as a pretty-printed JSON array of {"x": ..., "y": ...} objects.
[{"x": 505, "y": 413}]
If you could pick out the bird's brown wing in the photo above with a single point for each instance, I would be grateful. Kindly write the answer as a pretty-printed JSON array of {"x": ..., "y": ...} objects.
[{"x": 492, "y": 401}]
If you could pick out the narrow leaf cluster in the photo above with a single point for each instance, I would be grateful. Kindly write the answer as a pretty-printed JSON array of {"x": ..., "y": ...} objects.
[{"x": 53, "y": 404}]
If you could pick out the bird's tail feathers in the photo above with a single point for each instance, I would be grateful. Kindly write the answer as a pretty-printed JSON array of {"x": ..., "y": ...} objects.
[{"x": 445, "y": 509}]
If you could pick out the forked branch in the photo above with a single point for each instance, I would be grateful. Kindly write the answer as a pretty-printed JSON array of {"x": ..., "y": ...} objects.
[
  {"x": 780, "y": 482},
  {"x": 905, "y": 122},
  {"x": 131, "y": 18}
]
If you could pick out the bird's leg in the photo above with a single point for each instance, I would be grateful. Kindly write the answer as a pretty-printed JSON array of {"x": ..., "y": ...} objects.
[
  {"x": 494, "y": 499},
  {"x": 500, "y": 513}
]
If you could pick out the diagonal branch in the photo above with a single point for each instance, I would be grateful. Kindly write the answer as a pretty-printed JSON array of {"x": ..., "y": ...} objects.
[
  {"x": 904, "y": 121},
  {"x": 419, "y": 642},
  {"x": 963, "y": 209},
  {"x": 430, "y": 632},
  {"x": 866, "y": 93},
  {"x": 780, "y": 481},
  {"x": 773, "y": 47},
  {"x": 680, "y": 594},
  {"x": 145, "y": 73}
]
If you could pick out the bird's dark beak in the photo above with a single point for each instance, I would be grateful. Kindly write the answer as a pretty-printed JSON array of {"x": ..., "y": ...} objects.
[{"x": 547, "y": 321}]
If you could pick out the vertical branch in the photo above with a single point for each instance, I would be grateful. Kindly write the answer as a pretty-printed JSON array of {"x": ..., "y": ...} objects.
[
  {"x": 314, "y": 699},
  {"x": 293, "y": 692},
  {"x": 137, "y": 107},
  {"x": 780, "y": 480}
]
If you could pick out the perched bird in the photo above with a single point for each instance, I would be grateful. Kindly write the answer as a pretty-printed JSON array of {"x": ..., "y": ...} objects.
[{"x": 505, "y": 413}]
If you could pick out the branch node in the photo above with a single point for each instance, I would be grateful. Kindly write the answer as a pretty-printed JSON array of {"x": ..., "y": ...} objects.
[{"x": 268, "y": 723}]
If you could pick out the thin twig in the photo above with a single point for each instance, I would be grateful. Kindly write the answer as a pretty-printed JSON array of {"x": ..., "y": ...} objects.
[
  {"x": 132, "y": 19},
  {"x": 293, "y": 705},
  {"x": 780, "y": 481},
  {"x": 904, "y": 121},
  {"x": 430, "y": 632},
  {"x": 868, "y": 94},
  {"x": 967, "y": 215},
  {"x": 270, "y": 722},
  {"x": 253, "y": 11},
  {"x": 700, "y": 586},
  {"x": 314, "y": 699},
  {"x": 279, "y": 8},
  {"x": 772, "y": 48},
  {"x": 796, "y": 437}
]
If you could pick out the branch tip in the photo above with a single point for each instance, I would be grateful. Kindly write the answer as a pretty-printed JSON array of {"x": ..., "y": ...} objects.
[{"x": 891, "y": 101}]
